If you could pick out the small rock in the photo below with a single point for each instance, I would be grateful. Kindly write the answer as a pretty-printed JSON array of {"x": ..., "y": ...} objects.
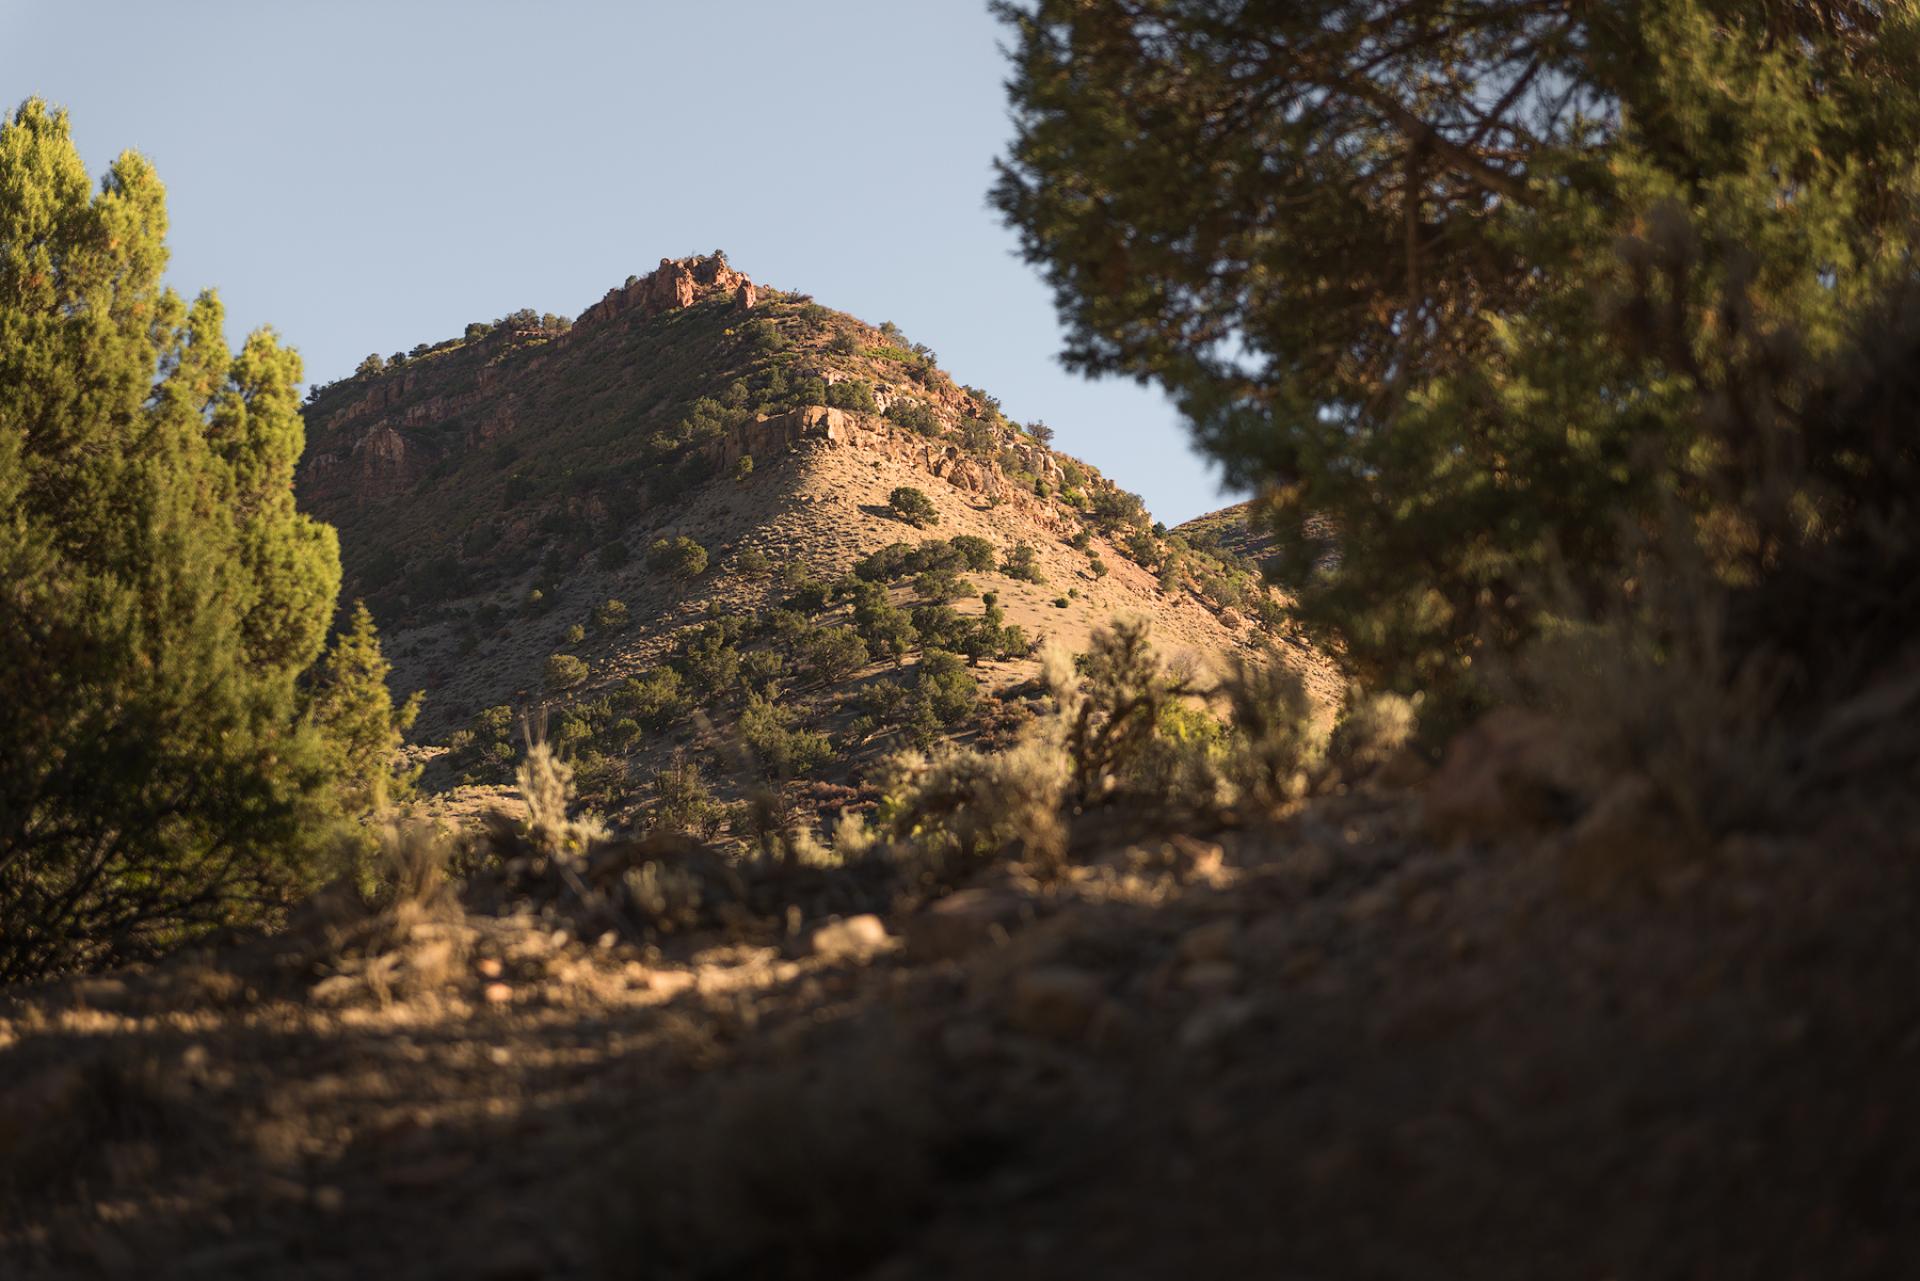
[
  {"x": 855, "y": 938},
  {"x": 1057, "y": 1001},
  {"x": 498, "y": 993}
]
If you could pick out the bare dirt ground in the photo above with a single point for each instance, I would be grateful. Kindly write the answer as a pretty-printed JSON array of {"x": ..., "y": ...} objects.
[{"x": 1333, "y": 1046}]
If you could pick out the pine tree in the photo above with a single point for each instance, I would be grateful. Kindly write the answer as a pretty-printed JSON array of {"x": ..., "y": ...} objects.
[
  {"x": 352, "y": 706},
  {"x": 160, "y": 596},
  {"x": 1398, "y": 264}
]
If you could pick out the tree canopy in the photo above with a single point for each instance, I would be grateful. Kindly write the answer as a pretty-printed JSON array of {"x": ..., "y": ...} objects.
[
  {"x": 164, "y": 769},
  {"x": 1397, "y": 262}
]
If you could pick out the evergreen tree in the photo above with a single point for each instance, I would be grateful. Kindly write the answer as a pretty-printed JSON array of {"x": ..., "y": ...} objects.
[
  {"x": 160, "y": 596},
  {"x": 351, "y": 705},
  {"x": 1401, "y": 264}
]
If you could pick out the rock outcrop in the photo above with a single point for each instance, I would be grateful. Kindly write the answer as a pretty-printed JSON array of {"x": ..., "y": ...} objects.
[{"x": 675, "y": 283}]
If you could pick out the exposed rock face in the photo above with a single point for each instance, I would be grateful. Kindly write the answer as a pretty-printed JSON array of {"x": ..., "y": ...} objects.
[
  {"x": 675, "y": 283},
  {"x": 379, "y": 463}
]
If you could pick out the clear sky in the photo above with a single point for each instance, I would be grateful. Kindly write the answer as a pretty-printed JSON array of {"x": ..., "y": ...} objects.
[{"x": 368, "y": 176}]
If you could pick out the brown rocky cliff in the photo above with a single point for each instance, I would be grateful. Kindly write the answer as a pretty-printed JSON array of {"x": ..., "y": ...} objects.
[{"x": 675, "y": 283}]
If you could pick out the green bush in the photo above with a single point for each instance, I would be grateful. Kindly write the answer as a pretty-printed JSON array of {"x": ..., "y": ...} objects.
[
  {"x": 1022, "y": 564},
  {"x": 914, "y": 415},
  {"x": 1143, "y": 549},
  {"x": 766, "y": 729},
  {"x": 913, "y": 506},
  {"x": 610, "y": 616},
  {"x": 710, "y": 661},
  {"x": 656, "y": 698},
  {"x": 831, "y": 653},
  {"x": 941, "y": 586},
  {"x": 882, "y": 624},
  {"x": 853, "y": 394},
  {"x": 680, "y": 558},
  {"x": 682, "y": 801},
  {"x": 977, "y": 553},
  {"x": 564, "y": 671}
]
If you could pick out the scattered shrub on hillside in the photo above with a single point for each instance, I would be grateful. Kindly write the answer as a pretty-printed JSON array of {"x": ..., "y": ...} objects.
[
  {"x": 944, "y": 685},
  {"x": 843, "y": 343},
  {"x": 887, "y": 564},
  {"x": 682, "y": 801},
  {"x": 564, "y": 671},
  {"x": 810, "y": 389},
  {"x": 1098, "y": 566},
  {"x": 743, "y": 469},
  {"x": 709, "y": 660},
  {"x": 1142, "y": 548},
  {"x": 976, "y": 552},
  {"x": 810, "y": 595},
  {"x": 914, "y": 415},
  {"x": 1113, "y": 508},
  {"x": 939, "y": 626},
  {"x": 610, "y": 615},
  {"x": 883, "y": 625},
  {"x": 855, "y": 394},
  {"x": 767, "y": 730},
  {"x": 751, "y": 562},
  {"x": 1021, "y": 563},
  {"x": 624, "y": 734},
  {"x": 657, "y": 698},
  {"x": 913, "y": 506},
  {"x": 831, "y": 654},
  {"x": 761, "y": 670},
  {"x": 680, "y": 558},
  {"x": 763, "y": 335},
  {"x": 941, "y": 585},
  {"x": 574, "y": 634},
  {"x": 484, "y": 751}
]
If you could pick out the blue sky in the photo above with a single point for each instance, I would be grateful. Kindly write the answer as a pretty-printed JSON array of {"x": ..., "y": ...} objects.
[{"x": 367, "y": 176}]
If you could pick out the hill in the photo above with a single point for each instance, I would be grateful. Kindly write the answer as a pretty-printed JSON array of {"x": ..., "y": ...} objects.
[
  {"x": 681, "y": 503},
  {"x": 1233, "y": 531}
]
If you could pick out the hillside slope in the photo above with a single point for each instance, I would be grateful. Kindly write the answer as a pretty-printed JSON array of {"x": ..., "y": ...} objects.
[{"x": 518, "y": 495}]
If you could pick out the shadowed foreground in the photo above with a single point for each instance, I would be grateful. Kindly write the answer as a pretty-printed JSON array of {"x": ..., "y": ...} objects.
[{"x": 1337, "y": 1047}]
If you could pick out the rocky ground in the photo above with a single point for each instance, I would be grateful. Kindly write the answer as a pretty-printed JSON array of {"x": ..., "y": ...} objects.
[{"x": 1388, "y": 1035}]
